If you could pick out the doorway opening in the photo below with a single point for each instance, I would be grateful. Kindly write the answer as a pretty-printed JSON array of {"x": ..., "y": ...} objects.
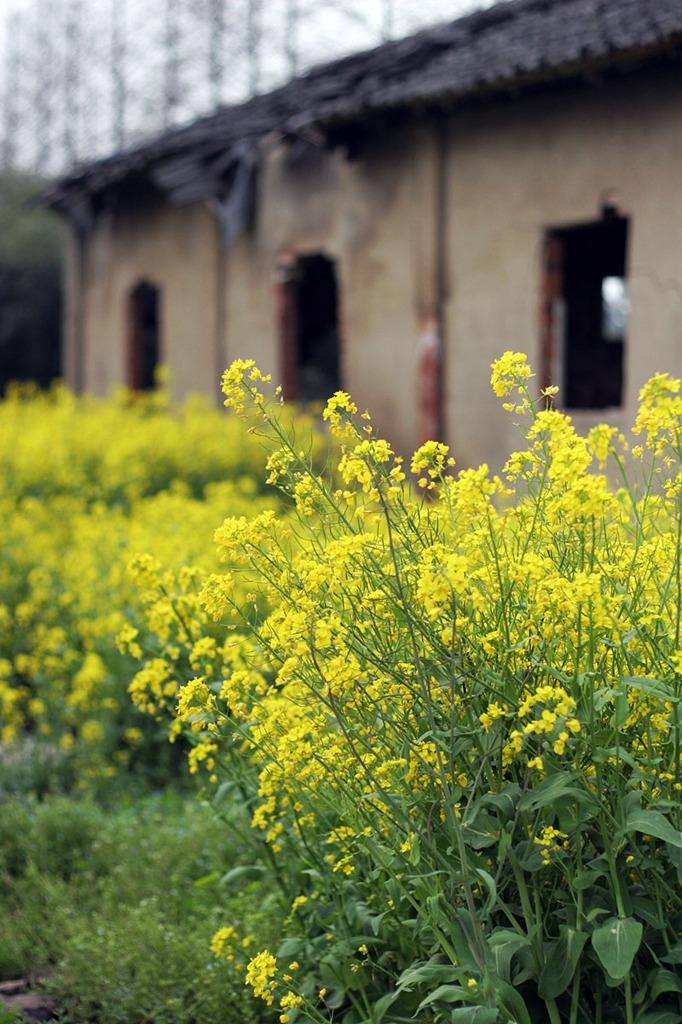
[
  {"x": 586, "y": 309},
  {"x": 310, "y": 330},
  {"x": 144, "y": 341}
]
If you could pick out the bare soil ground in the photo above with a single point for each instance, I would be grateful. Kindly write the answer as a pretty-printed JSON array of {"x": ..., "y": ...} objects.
[{"x": 24, "y": 996}]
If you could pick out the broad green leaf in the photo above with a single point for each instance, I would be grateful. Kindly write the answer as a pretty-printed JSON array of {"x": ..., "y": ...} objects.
[
  {"x": 651, "y": 823},
  {"x": 503, "y": 947},
  {"x": 209, "y": 879},
  {"x": 664, "y": 1016},
  {"x": 664, "y": 981},
  {"x": 426, "y": 974},
  {"x": 653, "y": 687},
  {"x": 335, "y": 1000},
  {"x": 224, "y": 793},
  {"x": 474, "y": 1015},
  {"x": 647, "y": 911},
  {"x": 552, "y": 790},
  {"x": 490, "y": 883},
  {"x": 290, "y": 947},
  {"x": 595, "y": 913},
  {"x": 383, "y": 1004},
  {"x": 480, "y": 831},
  {"x": 616, "y": 943},
  {"x": 675, "y": 854},
  {"x": 674, "y": 956},
  {"x": 622, "y": 710},
  {"x": 586, "y": 879},
  {"x": 461, "y": 940},
  {"x": 446, "y": 994},
  {"x": 561, "y": 961},
  {"x": 506, "y": 801},
  {"x": 512, "y": 1001},
  {"x": 246, "y": 872}
]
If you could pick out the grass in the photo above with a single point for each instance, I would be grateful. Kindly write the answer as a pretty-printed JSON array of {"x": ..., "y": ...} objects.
[{"x": 121, "y": 904}]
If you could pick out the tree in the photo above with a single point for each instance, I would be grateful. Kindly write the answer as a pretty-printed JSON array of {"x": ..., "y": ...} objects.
[
  {"x": 119, "y": 78},
  {"x": 253, "y": 44},
  {"x": 30, "y": 281},
  {"x": 216, "y": 23},
  {"x": 42, "y": 76},
  {"x": 71, "y": 78},
  {"x": 12, "y": 91}
]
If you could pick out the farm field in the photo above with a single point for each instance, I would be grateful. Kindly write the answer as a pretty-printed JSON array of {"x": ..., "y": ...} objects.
[{"x": 393, "y": 741}]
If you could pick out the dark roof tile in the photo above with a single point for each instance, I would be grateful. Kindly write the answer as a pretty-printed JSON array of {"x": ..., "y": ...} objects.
[{"x": 511, "y": 41}]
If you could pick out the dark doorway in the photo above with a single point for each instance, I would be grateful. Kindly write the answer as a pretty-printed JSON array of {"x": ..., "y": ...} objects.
[
  {"x": 588, "y": 270},
  {"x": 144, "y": 341},
  {"x": 310, "y": 330}
]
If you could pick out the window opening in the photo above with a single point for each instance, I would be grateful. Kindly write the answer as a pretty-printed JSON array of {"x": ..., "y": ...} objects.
[
  {"x": 144, "y": 341},
  {"x": 310, "y": 330},
  {"x": 587, "y": 308}
]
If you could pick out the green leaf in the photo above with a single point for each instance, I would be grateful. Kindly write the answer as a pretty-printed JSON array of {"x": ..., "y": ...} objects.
[
  {"x": 651, "y": 823},
  {"x": 504, "y": 944},
  {"x": 586, "y": 879},
  {"x": 375, "y": 922},
  {"x": 290, "y": 947},
  {"x": 426, "y": 974},
  {"x": 616, "y": 943},
  {"x": 504, "y": 802},
  {"x": 595, "y": 913},
  {"x": 675, "y": 854},
  {"x": 335, "y": 1000},
  {"x": 209, "y": 879},
  {"x": 462, "y": 943},
  {"x": 666, "y": 1016},
  {"x": 480, "y": 831},
  {"x": 622, "y": 710},
  {"x": 223, "y": 794},
  {"x": 674, "y": 956},
  {"x": 246, "y": 872},
  {"x": 664, "y": 981},
  {"x": 446, "y": 994},
  {"x": 474, "y": 1015},
  {"x": 512, "y": 1001},
  {"x": 561, "y": 961},
  {"x": 646, "y": 911},
  {"x": 490, "y": 883},
  {"x": 653, "y": 687},
  {"x": 553, "y": 789},
  {"x": 383, "y": 1004}
]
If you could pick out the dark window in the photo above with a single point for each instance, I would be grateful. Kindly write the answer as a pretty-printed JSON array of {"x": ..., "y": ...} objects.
[
  {"x": 309, "y": 327},
  {"x": 585, "y": 312},
  {"x": 144, "y": 342}
]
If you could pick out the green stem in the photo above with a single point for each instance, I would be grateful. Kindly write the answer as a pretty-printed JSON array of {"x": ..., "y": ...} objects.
[{"x": 629, "y": 1013}]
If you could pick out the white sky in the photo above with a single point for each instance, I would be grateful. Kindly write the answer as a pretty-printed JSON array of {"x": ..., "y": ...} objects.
[
  {"x": 325, "y": 31},
  {"x": 421, "y": 12}
]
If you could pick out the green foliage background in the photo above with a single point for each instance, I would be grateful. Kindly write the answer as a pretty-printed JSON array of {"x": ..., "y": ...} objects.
[{"x": 31, "y": 246}]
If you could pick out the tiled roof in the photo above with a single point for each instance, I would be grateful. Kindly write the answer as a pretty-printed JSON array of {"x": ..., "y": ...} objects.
[{"x": 512, "y": 44}]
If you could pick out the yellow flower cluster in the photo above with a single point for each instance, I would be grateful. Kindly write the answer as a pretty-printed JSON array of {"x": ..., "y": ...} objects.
[
  {"x": 227, "y": 944},
  {"x": 260, "y": 974},
  {"x": 435, "y": 682},
  {"x": 87, "y": 485}
]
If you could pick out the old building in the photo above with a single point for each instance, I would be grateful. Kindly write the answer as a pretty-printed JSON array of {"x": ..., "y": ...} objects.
[{"x": 393, "y": 221}]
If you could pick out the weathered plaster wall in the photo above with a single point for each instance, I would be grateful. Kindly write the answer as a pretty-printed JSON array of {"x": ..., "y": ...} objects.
[
  {"x": 513, "y": 168},
  {"x": 370, "y": 216},
  {"x": 375, "y": 217},
  {"x": 519, "y": 167},
  {"x": 175, "y": 250}
]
